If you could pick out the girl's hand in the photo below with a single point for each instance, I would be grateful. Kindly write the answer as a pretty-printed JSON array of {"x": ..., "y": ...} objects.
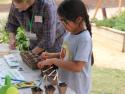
[
  {"x": 47, "y": 62},
  {"x": 46, "y": 55}
]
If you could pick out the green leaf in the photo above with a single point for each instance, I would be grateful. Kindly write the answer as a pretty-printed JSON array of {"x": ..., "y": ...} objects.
[
  {"x": 117, "y": 22},
  {"x": 22, "y": 41}
]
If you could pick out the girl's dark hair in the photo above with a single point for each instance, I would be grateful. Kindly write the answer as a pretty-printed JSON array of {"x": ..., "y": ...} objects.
[{"x": 71, "y": 9}]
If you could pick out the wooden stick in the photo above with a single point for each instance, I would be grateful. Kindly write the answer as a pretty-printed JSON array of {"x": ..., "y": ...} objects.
[
  {"x": 120, "y": 4},
  {"x": 56, "y": 76},
  {"x": 48, "y": 69},
  {"x": 46, "y": 80},
  {"x": 51, "y": 72},
  {"x": 98, "y": 5},
  {"x": 44, "y": 77}
]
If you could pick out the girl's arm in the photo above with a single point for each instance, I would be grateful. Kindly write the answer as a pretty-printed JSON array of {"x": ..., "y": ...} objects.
[
  {"x": 74, "y": 66},
  {"x": 46, "y": 55}
]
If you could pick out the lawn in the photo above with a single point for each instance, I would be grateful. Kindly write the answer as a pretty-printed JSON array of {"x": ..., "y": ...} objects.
[{"x": 108, "y": 81}]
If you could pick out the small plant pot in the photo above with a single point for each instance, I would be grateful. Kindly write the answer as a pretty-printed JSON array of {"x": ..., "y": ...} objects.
[
  {"x": 62, "y": 88},
  {"x": 37, "y": 90},
  {"x": 52, "y": 80},
  {"x": 49, "y": 89}
]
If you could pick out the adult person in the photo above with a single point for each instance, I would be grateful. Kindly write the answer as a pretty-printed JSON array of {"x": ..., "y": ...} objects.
[{"x": 39, "y": 18}]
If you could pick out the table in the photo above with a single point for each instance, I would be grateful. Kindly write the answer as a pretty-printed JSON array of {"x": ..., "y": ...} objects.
[{"x": 29, "y": 74}]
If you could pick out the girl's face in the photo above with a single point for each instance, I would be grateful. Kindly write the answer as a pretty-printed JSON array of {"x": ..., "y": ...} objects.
[{"x": 71, "y": 26}]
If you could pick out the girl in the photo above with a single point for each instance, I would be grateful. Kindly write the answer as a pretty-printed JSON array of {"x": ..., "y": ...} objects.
[{"x": 74, "y": 60}]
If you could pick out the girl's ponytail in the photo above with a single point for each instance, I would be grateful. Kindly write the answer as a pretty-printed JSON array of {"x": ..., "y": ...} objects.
[{"x": 88, "y": 25}]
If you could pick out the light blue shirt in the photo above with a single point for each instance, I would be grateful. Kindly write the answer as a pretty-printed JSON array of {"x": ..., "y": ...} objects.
[{"x": 78, "y": 48}]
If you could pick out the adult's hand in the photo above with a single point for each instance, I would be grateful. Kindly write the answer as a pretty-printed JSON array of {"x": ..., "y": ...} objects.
[
  {"x": 12, "y": 41},
  {"x": 12, "y": 44},
  {"x": 37, "y": 50}
]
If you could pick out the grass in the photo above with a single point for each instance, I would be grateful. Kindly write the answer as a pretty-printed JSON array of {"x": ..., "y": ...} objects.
[
  {"x": 5, "y": 1},
  {"x": 108, "y": 81}
]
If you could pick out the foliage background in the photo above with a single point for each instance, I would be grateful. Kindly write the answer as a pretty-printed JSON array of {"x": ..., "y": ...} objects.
[{"x": 116, "y": 22}]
